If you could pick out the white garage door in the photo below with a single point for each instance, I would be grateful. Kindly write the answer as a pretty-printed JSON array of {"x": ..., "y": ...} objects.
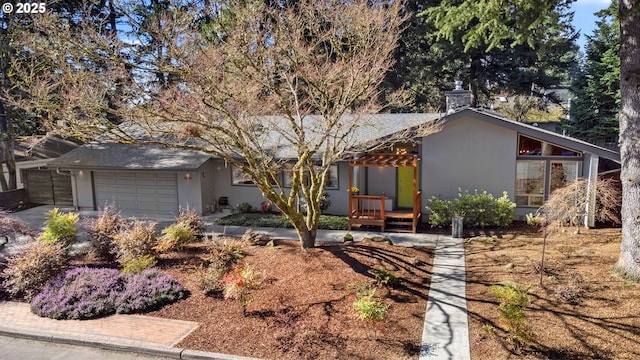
[{"x": 137, "y": 191}]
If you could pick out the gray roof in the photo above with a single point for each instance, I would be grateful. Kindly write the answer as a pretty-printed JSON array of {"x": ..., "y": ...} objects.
[
  {"x": 375, "y": 128},
  {"x": 131, "y": 157},
  {"x": 372, "y": 128},
  {"x": 39, "y": 148}
]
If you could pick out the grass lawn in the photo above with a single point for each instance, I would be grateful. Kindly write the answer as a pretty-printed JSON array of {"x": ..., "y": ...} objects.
[{"x": 327, "y": 222}]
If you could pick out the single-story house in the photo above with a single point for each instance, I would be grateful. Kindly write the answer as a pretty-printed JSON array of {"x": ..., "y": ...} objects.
[{"x": 475, "y": 149}]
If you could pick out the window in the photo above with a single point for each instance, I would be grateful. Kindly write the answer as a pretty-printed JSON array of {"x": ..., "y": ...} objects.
[
  {"x": 530, "y": 176},
  {"x": 238, "y": 177},
  {"x": 332, "y": 177},
  {"x": 561, "y": 173},
  {"x": 536, "y": 179},
  {"x": 533, "y": 147}
]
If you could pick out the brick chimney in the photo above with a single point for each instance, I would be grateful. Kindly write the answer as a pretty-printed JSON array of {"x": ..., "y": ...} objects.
[{"x": 458, "y": 98}]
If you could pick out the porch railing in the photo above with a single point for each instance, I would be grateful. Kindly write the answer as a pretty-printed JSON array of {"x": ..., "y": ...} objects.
[{"x": 366, "y": 206}]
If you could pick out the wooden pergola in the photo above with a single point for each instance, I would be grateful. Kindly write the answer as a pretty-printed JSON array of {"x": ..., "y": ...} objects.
[{"x": 369, "y": 209}]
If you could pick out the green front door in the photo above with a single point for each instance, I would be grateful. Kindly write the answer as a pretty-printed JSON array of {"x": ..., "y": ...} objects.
[{"x": 405, "y": 187}]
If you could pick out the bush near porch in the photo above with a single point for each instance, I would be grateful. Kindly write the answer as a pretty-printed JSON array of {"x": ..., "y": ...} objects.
[{"x": 478, "y": 209}]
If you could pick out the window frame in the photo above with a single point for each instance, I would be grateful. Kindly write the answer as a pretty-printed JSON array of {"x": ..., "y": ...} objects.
[
  {"x": 548, "y": 160},
  {"x": 286, "y": 182}
]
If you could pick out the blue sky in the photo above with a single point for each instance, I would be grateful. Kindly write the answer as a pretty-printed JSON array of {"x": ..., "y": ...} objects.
[{"x": 584, "y": 20}]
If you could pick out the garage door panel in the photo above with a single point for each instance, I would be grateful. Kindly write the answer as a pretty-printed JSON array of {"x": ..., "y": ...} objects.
[{"x": 138, "y": 191}]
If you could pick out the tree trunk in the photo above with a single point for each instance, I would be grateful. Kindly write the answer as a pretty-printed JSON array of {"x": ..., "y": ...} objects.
[
  {"x": 307, "y": 239},
  {"x": 307, "y": 236},
  {"x": 629, "y": 260}
]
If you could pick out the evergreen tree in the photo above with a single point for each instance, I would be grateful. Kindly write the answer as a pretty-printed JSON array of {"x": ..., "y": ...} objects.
[
  {"x": 594, "y": 110},
  {"x": 434, "y": 51}
]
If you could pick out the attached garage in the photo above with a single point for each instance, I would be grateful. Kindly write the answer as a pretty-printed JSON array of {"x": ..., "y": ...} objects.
[
  {"x": 139, "y": 179},
  {"x": 132, "y": 191}
]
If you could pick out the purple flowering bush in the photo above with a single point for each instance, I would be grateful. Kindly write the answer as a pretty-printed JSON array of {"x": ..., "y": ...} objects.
[
  {"x": 80, "y": 293},
  {"x": 149, "y": 290},
  {"x": 83, "y": 293}
]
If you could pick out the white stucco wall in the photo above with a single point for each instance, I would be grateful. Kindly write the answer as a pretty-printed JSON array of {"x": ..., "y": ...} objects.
[
  {"x": 189, "y": 195},
  {"x": 468, "y": 154}
]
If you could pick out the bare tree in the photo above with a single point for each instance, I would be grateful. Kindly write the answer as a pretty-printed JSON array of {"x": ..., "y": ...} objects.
[
  {"x": 266, "y": 88},
  {"x": 567, "y": 206}
]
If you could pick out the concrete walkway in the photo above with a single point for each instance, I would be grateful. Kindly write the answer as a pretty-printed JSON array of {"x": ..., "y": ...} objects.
[
  {"x": 446, "y": 329},
  {"x": 445, "y": 335}
]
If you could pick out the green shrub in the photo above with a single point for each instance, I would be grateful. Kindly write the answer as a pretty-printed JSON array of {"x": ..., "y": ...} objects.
[
  {"x": 383, "y": 277},
  {"x": 441, "y": 211},
  {"x": 27, "y": 273},
  {"x": 60, "y": 227},
  {"x": 347, "y": 237},
  {"x": 175, "y": 236},
  {"x": 478, "y": 209},
  {"x": 138, "y": 264},
  {"x": 244, "y": 207},
  {"x": 368, "y": 308},
  {"x": 138, "y": 240},
  {"x": 103, "y": 230},
  {"x": 513, "y": 298}
]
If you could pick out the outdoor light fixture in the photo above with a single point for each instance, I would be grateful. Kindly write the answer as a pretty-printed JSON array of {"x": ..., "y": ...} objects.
[{"x": 187, "y": 176}]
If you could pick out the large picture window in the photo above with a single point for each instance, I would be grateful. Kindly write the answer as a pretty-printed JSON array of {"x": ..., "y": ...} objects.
[
  {"x": 554, "y": 167},
  {"x": 561, "y": 173},
  {"x": 530, "y": 176}
]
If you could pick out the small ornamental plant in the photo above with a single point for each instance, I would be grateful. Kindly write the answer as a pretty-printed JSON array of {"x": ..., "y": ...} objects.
[
  {"x": 383, "y": 277},
  {"x": 368, "y": 308},
  {"x": 265, "y": 206},
  {"x": 60, "y": 227},
  {"x": 238, "y": 282},
  {"x": 103, "y": 230},
  {"x": 514, "y": 299},
  {"x": 175, "y": 236}
]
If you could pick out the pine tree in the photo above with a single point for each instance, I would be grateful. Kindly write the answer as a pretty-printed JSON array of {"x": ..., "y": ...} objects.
[{"x": 596, "y": 88}]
